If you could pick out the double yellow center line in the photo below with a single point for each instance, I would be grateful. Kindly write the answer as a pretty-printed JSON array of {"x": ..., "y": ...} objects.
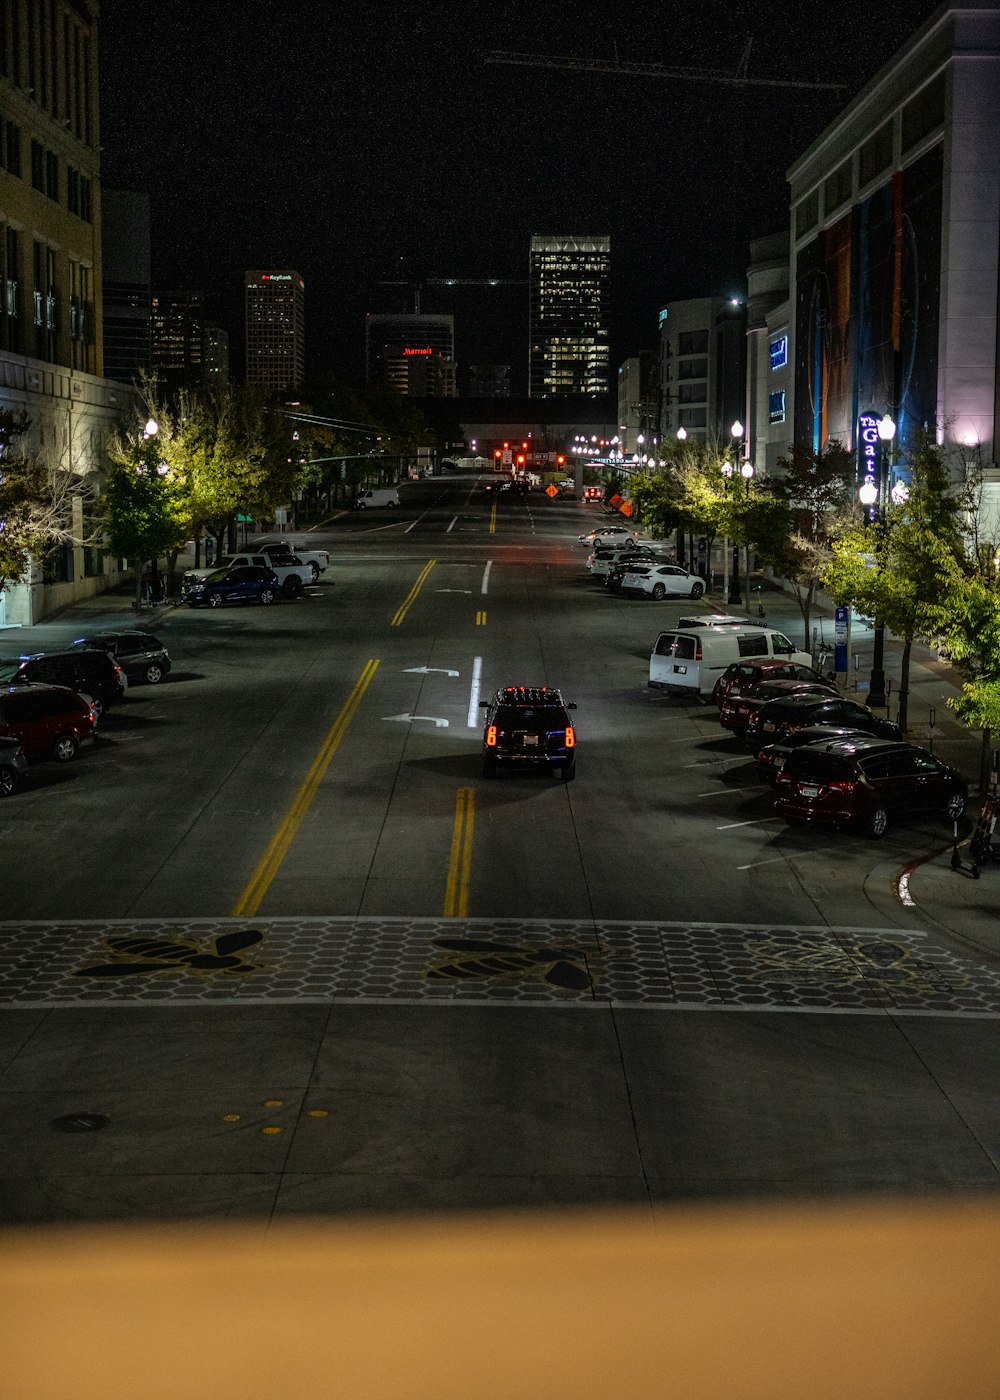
[
  {"x": 456, "y": 893},
  {"x": 407, "y": 602},
  {"x": 270, "y": 863}
]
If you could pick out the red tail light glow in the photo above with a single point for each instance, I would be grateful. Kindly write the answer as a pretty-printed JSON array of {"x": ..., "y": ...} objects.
[
  {"x": 491, "y": 737},
  {"x": 570, "y": 739},
  {"x": 697, "y": 651}
]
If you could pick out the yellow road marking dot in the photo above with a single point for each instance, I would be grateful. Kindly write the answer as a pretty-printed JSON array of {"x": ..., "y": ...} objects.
[
  {"x": 318, "y": 1113},
  {"x": 271, "y": 1132},
  {"x": 230, "y": 1118},
  {"x": 274, "y": 1103}
]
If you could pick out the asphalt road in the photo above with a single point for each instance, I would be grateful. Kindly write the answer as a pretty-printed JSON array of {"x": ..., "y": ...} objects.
[{"x": 292, "y": 951}]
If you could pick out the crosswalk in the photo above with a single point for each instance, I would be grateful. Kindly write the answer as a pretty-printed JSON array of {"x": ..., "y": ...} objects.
[{"x": 670, "y": 966}]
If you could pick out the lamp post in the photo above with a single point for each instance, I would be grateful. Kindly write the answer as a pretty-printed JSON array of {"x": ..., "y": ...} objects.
[
  {"x": 872, "y": 494},
  {"x": 732, "y": 583},
  {"x": 747, "y": 473}
]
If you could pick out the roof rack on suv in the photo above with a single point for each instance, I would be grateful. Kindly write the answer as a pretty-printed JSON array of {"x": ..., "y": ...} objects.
[{"x": 531, "y": 695}]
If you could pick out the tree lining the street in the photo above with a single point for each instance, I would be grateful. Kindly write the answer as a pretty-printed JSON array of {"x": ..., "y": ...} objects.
[{"x": 36, "y": 501}]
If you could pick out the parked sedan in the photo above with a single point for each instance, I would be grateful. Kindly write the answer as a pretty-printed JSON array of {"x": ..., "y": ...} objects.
[
  {"x": 662, "y": 581},
  {"x": 778, "y": 718},
  {"x": 864, "y": 782},
  {"x": 736, "y": 710},
  {"x": 600, "y": 562},
  {"x": 608, "y": 534},
  {"x": 140, "y": 655},
  {"x": 238, "y": 584},
  {"x": 743, "y": 675},
  {"x": 13, "y": 765}
]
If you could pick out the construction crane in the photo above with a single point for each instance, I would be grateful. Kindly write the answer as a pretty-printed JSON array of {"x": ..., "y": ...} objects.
[
  {"x": 657, "y": 70},
  {"x": 418, "y": 283}
]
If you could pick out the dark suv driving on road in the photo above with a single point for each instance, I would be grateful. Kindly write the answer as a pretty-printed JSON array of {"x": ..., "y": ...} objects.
[
  {"x": 864, "y": 782},
  {"x": 527, "y": 727}
]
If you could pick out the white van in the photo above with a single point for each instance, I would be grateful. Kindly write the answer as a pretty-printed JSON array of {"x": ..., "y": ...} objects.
[
  {"x": 688, "y": 661},
  {"x": 377, "y": 496}
]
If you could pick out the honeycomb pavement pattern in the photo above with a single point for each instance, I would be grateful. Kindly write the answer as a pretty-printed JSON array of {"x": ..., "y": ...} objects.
[{"x": 537, "y": 962}]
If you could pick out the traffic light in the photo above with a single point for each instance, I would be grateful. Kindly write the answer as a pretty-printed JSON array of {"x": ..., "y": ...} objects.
[
  {"x": 520, "y": 459},
  {"x": 560, "y": 460},
  {"x": 496, "y": 454}
]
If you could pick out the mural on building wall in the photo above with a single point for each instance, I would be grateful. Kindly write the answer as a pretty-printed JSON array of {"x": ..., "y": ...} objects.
[{"x": 866, "y": 313}]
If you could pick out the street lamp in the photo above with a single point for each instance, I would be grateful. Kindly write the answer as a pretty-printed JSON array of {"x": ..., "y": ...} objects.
[
  {"x": 872, "y": 494},
  {"x": 733, "y": 594},
  {"x": 682, "y": 433}
]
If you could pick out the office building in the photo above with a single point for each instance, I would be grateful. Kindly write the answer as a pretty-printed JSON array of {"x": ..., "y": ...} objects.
[
  {"x": 215, "y": 357},
  {"x": 178, "y": 339},
  {"x": 418, "y": 372},
  {"x": 51, "y": 320},
  {"x": 770, "y": 390},
  {"x": 638, "y": 408},
  {"x": 127, "y": 295},
  {"x": 893, "y": 267},
  {"x": 568, "y": 316},
  {"x": 275, "y": 329},
  {"x": 702, "y": 367},
  {"x": 391, "y": 336}
]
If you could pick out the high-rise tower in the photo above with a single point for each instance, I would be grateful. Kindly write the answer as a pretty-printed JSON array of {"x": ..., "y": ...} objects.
[
  {"x": 568, "y": 316},
  {"x": 275, "y": 329}
]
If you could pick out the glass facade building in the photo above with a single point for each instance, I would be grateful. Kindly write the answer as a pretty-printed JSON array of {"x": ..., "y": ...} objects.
[{"x": 568, "y": 316}]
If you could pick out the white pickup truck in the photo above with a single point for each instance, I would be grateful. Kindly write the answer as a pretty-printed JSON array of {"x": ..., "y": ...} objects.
[
  {"x": 292, "y": 572},
  {"x": 317, "y": 559}
]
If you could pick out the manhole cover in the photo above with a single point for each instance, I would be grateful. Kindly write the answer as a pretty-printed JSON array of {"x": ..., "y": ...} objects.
[{"x": 80, "y": 1122}]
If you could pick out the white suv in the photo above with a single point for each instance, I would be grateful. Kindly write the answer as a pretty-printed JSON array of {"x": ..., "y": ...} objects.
[{"x": 663, "y": 581}]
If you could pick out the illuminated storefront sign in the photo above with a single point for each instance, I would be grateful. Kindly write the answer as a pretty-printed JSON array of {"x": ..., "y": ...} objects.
[
  {"x": 868, "y": 449},
  {"x": 275, "y": 276},
  {"x": 779, "y": 352},
  {"x": 414, "y": 350},
  {"x": 776, "y": 406}
]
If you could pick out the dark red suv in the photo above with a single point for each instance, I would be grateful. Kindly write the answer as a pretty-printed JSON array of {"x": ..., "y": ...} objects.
[
  {"x": 741, "y": 676},
  {"x": 47, "y": 720},
  {"x": 865, "y": 782}
]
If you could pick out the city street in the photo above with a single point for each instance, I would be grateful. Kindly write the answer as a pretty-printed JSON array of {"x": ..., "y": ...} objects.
[{"x": 276, "y": 946}]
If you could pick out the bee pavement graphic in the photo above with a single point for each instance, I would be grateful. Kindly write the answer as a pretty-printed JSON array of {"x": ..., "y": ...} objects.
[{"x": 729, "y": 967}]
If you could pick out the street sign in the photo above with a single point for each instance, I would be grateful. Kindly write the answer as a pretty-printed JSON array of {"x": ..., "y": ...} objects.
[{"x": 551, "y": 490}]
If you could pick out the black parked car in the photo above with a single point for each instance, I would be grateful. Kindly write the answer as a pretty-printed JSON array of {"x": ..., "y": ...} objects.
[
  {"x": 140, "y": 655},
  {"x": 779, "y": 718},
  {"x": 13, "y": 765},
  {"x": 527, "y": 727},
  {"x": 237, "y": 584},
  {"x": 91, "y": 673}
]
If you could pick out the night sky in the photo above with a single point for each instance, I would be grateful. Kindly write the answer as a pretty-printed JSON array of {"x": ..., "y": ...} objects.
[{"x": 364, "y": 143}]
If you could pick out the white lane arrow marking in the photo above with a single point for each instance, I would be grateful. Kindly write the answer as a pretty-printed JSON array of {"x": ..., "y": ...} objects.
[
  {"x": 427, "y": 671},
  {"x": 412, "y": 719}
]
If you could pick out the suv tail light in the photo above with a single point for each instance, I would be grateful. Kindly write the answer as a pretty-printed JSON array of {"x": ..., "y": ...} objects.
[
  {"x": 491, "y": 737},
  {"x": 570, "y": 737},
  {"x": 843, "y": 785},
  {"x": 697, "y": 651}
]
